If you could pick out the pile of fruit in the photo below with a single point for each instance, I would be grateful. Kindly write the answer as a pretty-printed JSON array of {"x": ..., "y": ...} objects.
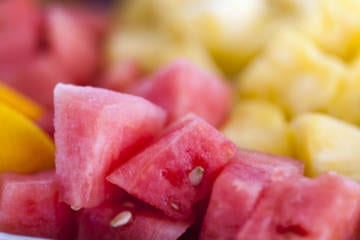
[
  {"x": 294, "y": 68},
  {"x": 161, "y": 123}
]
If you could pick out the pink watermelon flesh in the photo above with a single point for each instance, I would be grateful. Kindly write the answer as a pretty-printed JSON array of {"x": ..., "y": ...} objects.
[
  {"x": 72, "y": 44},
  {"x": 18, "y": 36},
  {"x": 95, "y": 130},
  {"x": 159, "y": 175},
  {"x": 238, "y": 188},
  {"x": 29, "y": 206},
  {"x": 182, "y": 87},
  {"x": 121, "y": 76},
  {"x": 324, "y": 208},
  {"x": 146, "y": 223},
  {"x": 38, "y": 79}
]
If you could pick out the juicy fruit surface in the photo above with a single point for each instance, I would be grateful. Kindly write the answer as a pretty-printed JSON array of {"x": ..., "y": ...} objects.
[
  {"x": 144, "y": 222},
  {"x": 161, "y": 174},
  {"x": 177, "y": 88},
  {"x": 29, "y": 206},
  {"x": 24, "y": 147},
  {"x": 323, "y": 144},
  {"x": 292, "y": 67},
  {"x": 108, "y": 128},
  {"x": 238, "y": 188},
  {"x": 259, "y": 125},
  {"x": 286, "y": 208}
]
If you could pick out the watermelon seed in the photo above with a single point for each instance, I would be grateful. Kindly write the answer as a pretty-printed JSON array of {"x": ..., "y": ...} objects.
[
  {"x": 196, "y": 175},
  {"x": 175, "y": 206},
  {"x": 75, "y": 208},
  {"x": 121, "y": 219}
]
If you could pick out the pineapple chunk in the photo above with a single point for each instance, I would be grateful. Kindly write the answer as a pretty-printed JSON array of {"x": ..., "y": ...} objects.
[
  {"x": 154, "y": 49},
  {"x": 335, "y": 27},
  {"x": 259, "y": 125},
  {"x": 327, "y": 144},
  {"x": 294, "y": 74},
  {"x": 346, "y": 103},
  {"x": 233, "y": 32}
]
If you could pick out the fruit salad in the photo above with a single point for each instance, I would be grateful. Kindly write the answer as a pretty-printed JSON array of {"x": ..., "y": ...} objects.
[
  {"x": 284, "y": 60},
  {"x": 164, "y": 120}
]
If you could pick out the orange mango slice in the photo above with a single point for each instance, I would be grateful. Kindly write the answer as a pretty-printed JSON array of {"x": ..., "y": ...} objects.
[
  {"x": 24, "y": 147},
  {"x": 20, "y": 102}
]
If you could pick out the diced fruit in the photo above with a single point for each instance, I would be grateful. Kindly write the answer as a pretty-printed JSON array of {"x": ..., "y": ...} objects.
[
  {"x": 72, "y": 44},
  {"x": 294, "y": 74},
  {"x": 19, "y": 102},
  {"x": 178, "y": 87},
  {"x": 232, "y": 31},
  {"x": 95, "y": 130},
  {"x": 324, "y": 208},
  {"x": 121, "y": 76},
  {"x": 24, "y": 147},
  {"x": 39, "y": 78},
  {"x": 327, "y": 144},
  {"x": 29, "y": 206},
  {"x": 19, "y": 27},
  {"x": 344, "y": 104},
  {"x": 177, "y": 171},
  {"x": 239, "y": 187},
  {"x": 335, "y": 27},
  {"x": 259, "y": 125},
  {"x": 127, "y": 220},
  {"x": 152, "y": 49}
]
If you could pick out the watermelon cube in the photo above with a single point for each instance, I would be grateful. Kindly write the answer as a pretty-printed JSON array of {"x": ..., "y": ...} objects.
[
  {"x": 324, "y": 208},
  {"x": 18, "y": 36},
  {"x": 178, "y": 170},
  {"x": 128, "y": 219},
  {"x": 181, "y": 87},
  {"x": 239, "y": 187},
  {"x": 29, "y": 206},
  {"x": 38, "y": 79},
  {"x": 71, "y": 44},
  {"x": 96, "y": 130}
]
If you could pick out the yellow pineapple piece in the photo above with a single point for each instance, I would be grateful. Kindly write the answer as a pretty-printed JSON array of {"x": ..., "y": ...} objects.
[
  {"x": 335, "y": 27},
  {"x": 232, "y": 31},
  {"x": 294, "y": 74},
  {"x": 259, "y": 125},
  {"x": 154, "y": 49},
  {"x": 20, "y": 102},
  {"x": 24, "y": 147},
  {"x": 327, "y": 144},
  {"x": 345, "y": 104}
]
